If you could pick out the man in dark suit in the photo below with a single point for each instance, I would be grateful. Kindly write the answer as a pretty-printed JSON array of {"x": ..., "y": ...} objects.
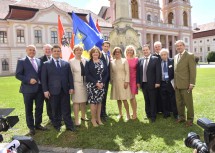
[
  {"x": 105, "y": 57},
  {"x": 148, "y": 78},
  {"x": 47, "y": 57},
  {"x": 167, "y": 92},
  {"x": 28, "y": 71},
  {"x": 157, "y": 49},
  {"x": 57, "y": 82}
]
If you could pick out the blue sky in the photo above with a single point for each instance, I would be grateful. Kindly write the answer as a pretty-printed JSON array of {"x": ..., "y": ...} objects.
[{"x": 203, "y": 11}]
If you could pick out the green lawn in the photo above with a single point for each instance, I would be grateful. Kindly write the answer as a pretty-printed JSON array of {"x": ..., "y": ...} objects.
[{"x": 162, "y": 136}]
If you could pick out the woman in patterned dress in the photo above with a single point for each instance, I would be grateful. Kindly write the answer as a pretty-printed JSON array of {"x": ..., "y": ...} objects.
[
  {"x": 96, "y": 75},
  {"x": 130, "y": 55}
]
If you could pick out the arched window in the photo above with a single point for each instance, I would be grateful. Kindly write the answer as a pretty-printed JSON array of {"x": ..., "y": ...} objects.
[
  {"x": 170, "y": 18},
  {"x": 149, "y": 18},
  {"x": 185, "y": 19},
  {"x": 134, "y": 9},
  {"x": 5, "y": 65}
]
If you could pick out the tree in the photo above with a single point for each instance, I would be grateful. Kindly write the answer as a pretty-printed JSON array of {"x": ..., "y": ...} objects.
[{"x": 211, "y": 57}]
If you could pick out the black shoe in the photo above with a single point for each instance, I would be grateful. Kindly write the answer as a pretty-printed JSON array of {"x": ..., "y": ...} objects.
[
  {"x": 57, "y": 129},
  {"x": 166, "y": 116},
  {"x": 175, "y": 116},
  {"x": 85, "y": 119},
  {"x": 72, "y": 129},
  {"x": 153, "y": 120},
  {"x": 31, "y": 132},
  {"x": 41, "y": 128},
  {"x": 104, "y": 119}
]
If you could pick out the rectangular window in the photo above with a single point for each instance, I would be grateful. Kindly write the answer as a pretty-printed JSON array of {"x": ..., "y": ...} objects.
[
  {"x": 105, "y": 38},
  {"x": 214, "y": 39},
  {"x": 200, "y": 49},
  {"x": 38, "y": 36},
  {"x": 5, "y": 64},
  {"x": 195, "y": 50},
  {"x": 200, "y": 41},
  {"x": 3, "y": 37},
  {"x": 54, "y": 37},
  {"x": 194, "y": 42},
  {"x": 20, "y": 36},
  {"x": 208, "y": 40},
  {"x": 69, "y": 36},
  {"x": 209, "y": 49}
]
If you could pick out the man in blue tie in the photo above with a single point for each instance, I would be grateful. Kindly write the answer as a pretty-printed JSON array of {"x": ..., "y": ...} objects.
[
  {"x": 167, "y": 92},
  {"x": 57, "y": 82},
  {"x": 28, "y": 71}
]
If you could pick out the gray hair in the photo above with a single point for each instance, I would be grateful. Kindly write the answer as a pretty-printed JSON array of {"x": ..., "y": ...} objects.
[
  {"x": 47, "y": 45},
  {"x": 179, "y": 41},
  {"x": 158, "y": 43},
  {"x": 164, "y": 50}
]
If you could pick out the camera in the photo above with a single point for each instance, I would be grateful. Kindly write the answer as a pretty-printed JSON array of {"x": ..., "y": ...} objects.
[
  {"x": 20, "y": 144},
  {"x": 193, "y": 139}
]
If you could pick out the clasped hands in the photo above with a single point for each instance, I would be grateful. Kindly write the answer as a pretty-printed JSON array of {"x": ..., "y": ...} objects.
[
  {"x": 99, "y": 85},
  {"x": 48, "y": 95},
  {"x": 33, "y": 81}
]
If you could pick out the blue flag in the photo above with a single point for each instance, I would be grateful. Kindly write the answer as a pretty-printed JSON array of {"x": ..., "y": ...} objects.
[
  {"x": 84, "y": 34},
  {"x": 93, "y": 26}
]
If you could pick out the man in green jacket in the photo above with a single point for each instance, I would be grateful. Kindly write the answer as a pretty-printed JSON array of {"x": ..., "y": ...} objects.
[{"x": 184, "y": 82}]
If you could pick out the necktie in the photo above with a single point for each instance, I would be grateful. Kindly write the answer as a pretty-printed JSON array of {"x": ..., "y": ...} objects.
[
  {"x": 179, "y": 57},
  {"x": 165, "y": 67},
  {"x": 107, "y": 59},
  {"x": 144, "y": 70},
  {"x": 34, "y": 65},
  {"x": 165, "y": 71},
  {"x": 58, "y": 65}
]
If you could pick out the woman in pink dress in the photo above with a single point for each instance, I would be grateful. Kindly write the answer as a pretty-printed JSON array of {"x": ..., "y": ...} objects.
[{"x": 130, "y": 54}]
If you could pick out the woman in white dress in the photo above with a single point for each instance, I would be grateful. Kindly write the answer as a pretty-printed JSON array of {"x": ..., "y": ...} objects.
[{"x": 79, "y": 97}]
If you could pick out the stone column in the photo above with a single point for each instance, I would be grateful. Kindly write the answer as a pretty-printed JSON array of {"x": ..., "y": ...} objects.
[
  {"x": 144, "y": 38},
  {"x": 173, "y": 46},
  {"x": 167, "y": 42},
  {"x": 159, "y": 37},
  {"x": 151, "y": 42}
]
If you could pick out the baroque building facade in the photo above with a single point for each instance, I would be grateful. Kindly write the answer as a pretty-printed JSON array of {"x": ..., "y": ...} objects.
[
  {"x": 125, "y": 22},
  {"x": 139, "y": 22}
]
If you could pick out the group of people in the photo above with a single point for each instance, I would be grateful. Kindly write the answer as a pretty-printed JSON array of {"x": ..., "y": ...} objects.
[{"x": 166, "y": 84}]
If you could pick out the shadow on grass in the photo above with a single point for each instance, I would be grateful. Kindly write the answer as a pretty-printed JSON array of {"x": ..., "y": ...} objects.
[{"x": 117, "y": 135}]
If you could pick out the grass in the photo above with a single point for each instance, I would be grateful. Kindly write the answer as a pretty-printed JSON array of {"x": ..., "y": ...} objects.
[{"x": 162, "y": 136}]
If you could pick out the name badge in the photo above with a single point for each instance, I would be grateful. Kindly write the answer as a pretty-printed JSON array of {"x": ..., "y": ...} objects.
[{"x": 166, "y": 76}]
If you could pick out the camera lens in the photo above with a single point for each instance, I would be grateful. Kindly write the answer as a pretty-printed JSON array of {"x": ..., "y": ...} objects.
[{"x": 193, "y": 141}]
